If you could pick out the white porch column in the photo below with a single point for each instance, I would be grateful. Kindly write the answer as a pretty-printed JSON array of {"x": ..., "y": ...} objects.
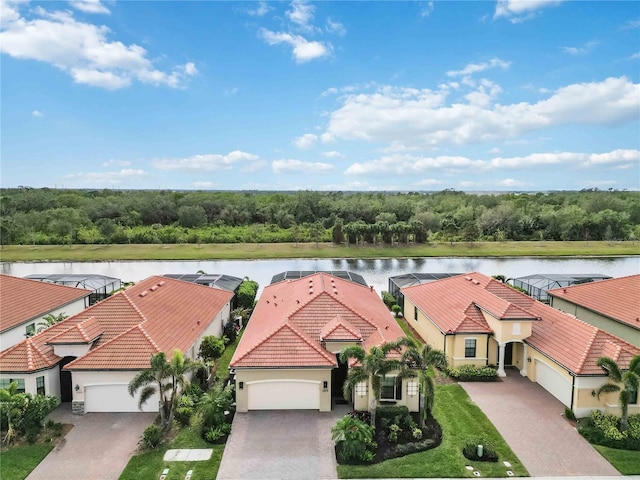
[
  {"x": 525, "y": 353},
  {"x": 501, "y": 372}
]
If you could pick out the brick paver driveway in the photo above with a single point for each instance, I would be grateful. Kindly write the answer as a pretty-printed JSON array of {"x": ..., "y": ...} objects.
[
  {"x": 530, "y": 420},
  {"x": 98, "y": 447},
  {"x": 281, "y": 444}
]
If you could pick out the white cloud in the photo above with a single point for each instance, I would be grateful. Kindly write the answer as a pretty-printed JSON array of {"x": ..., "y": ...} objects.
[
  {"x": 107, "y": 178},
  {"x": 303, "y": 50},
  {"x": 427, "y": 182},
  {"x": 231, "y": 91},
  {"x": 409, "y": 118},
  {"x": 204, "y": 163},
  {"x": 333, "y": 154},
  {"x": 405, "y": 164},
  {"x": 89, "y": 6},
  {"x": 631, "y": 24},
  {"x": 202, "y": 185},
  {"x": 306, "y": 141},
  {"x": 83, "y": 50},
  {"x": 117, "y": 163},
  {"x": 298, "y": 166},
  {"x": 495, "y": 150},
  {"x": 426, "y": 9},
  {"x": 635, "y": 56},
  {"x": 335, "y": 27},
  {"x": 510, "y": 182},
  {"x": 479, "y": 67},
  {"x": 301, "y": 13},
  {"x": 518, "y": 11},
  {"x": 37, "y": 113},
  {"x": 586, "y": 48},
  {"x": 262, "y": 9}
]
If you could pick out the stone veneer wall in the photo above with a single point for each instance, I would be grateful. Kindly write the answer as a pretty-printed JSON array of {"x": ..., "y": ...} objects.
[{"x": 77, "y": 407}]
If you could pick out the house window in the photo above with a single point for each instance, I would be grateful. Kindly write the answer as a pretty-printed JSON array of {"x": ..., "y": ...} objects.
[
  {"x": 415, "y": 313},
  {"x": 391, "y": 388},
  {"x": 30, "y": 330},
  {"x": 470, "y": 348},
  {"x": 40, "y": 385},
  {"x": 633, "y": 397},
  {"x": 5, "y": 382}
]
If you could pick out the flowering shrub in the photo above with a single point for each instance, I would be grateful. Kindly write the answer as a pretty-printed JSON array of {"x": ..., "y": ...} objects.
[{"x": 604, "y": 430}]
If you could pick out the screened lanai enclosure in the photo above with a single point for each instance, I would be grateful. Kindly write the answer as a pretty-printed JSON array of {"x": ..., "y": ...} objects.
[
  {"x": 408, "y": 279},
  {"x": 538, "y": 285},
  {"x": 101, "y": 286}
]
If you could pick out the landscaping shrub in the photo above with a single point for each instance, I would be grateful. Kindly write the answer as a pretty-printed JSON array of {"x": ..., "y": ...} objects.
[
  {"x": 602, "y": 429},
  {"x": 388, "y": 299},
  {"x": 568, "y": 414},
  {"x": 470, "y": 450},
  {"x": 247, "y": 293},
  {"x": 230, "y": 332},
  {"x": 469, "y": 373},
  {"x": 393, "y": 414},
  {"x": 185, "y": 410},
  {"x": 22, "y": 414},
  {"x": 214, "y": 435},
  {"x": 397, "y": 310},
  {"x": 353, "y": 440},
  {"x": 152, "y": 436},
  {"x": 408, "y": 448}
]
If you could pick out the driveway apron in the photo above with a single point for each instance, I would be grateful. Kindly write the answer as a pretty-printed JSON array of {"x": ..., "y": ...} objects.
[
  {"x": 531, "y": 421},
  {"x": 281, "y": 444},
  {"x": 98, "y": 447}
]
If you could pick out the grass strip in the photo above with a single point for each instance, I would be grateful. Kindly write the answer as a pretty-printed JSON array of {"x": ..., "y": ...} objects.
[
  {"x": 627, "y": 462},
  {"x": 460, "y": 419},
  {"x": 249, "y": 251},
  {"x": 18, "y": 462}
]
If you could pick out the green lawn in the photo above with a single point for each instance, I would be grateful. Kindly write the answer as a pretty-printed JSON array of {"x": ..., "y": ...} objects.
[
  {"x": 627, "y": 462},
  {"x": 460, "y": 419},
  {"x": 150, "y": 464},
  {"x": 79, "y": 253},
  {"x": 18, "y": 462},
  {"x": 223, "y": 363}
]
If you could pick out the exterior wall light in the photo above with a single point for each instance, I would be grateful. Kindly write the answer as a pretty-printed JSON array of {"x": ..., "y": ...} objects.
[
  {"x": 241, "y": 385},
  {"x": 528, "y": 359},
  {"x": 77, "y": 387},
  {"x": 412, "y": 388},
  {"x": 325, "y": 385},
  {"x": 361, "y": 389},
  {"x": 593, "y": 393}
]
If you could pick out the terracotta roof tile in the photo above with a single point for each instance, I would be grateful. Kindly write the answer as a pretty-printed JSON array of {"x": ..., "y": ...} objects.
[
  {"x": 617, "y": 298},
  {"x": 171, "y": 314},
  {"x": 308, "y": 304},
  {"x": 22, "y": 300},
  {"x": 340, "y": 329},
  {"x": 83, "y": 332},
  {"x": 572, "y": 343}
]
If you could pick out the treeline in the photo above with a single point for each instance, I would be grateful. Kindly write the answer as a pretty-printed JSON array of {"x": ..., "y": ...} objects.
[{"x": 50, "y": 216}]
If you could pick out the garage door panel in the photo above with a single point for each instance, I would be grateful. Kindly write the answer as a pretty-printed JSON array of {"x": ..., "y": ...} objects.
[
  {"x": 115, "y": 398},
  {"x": 284, "y": 395},
  {"x": 553, "y": 382}
]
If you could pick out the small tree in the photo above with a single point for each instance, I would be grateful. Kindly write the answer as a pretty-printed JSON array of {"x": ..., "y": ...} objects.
[
  {"x": 212, "y": 406},
  {"x": 372, "y": 367},
  {"x": 629, "y": 379},
  {"x": 167, "y": 379},
  {"x": 247, "y": 293},
  {"x": 211, "y": 349},
  {"x": 352, "y": 438}
]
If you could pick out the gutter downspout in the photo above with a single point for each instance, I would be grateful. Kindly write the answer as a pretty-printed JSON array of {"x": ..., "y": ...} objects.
[{"x": 573, "y": 389}]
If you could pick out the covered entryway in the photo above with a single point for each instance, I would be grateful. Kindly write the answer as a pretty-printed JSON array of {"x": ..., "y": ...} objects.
[
  {"x": 114, "y": 397},
  {"x": 284, "y": 395},
  {"x": 553, "y": 382},
  {"x": 66, "y": 393}
]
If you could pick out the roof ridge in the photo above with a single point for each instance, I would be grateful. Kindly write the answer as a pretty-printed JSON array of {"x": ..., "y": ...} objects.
[
  {"x": 310, "y": 342},
  {"x": 135, "y": 307},
  {"x": 350, "y": 309},
  {"x": 585, "y": 353},
  {"x": 344, "y": 323}
]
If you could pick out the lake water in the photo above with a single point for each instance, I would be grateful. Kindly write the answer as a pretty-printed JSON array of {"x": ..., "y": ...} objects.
[{"x": 375, "y": 271}]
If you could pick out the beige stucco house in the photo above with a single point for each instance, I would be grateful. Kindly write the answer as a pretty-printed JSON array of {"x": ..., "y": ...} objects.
[
  {"x": 288, "y": 355},
  {"x": 477, "y": 320},
  {"x": 24, "y": 304},
  {"x": 90, "y": 358},
  {"x": 612, "y": 305}
]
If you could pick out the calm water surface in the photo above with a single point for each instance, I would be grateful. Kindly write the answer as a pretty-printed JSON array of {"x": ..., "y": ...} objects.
[{"x": 375, "y": 271}]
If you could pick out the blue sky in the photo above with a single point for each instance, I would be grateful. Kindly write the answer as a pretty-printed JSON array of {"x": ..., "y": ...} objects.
[{"x": 477, "y": 96}]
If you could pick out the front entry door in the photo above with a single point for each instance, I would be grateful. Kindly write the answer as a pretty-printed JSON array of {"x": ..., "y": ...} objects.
[{"x": 66, "y": 392}]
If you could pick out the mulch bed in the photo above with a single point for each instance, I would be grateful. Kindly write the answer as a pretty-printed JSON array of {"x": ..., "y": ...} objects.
[{"x": 431, "y": 431}]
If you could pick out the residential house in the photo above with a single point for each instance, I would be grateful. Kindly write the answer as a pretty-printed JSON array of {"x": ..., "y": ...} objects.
[
  {"x": 612, "y": 305},
  {"x": 90, "y": 358},
  {"x": 478, "y": 320},
  {"x": 288, "y": 357},
  {"x": 24, "y": 304}
]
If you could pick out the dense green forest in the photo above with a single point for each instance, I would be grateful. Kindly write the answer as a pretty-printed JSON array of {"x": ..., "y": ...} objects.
[{"x": 50, "y": 216}]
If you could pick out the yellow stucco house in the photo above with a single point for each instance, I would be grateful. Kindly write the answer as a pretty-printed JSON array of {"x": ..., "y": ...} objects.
[
  {"x": 288, "y": 356},
  {"x": 478, "y": 320}
]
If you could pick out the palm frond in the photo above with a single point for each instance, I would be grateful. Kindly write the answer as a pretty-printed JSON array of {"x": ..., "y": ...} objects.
[{"x": 611, "y": 367}]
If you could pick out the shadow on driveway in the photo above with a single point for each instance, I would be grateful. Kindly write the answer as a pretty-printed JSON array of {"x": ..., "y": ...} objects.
[
  {"x": 531, "y": 421},
  {"x": 98, "y": 447}
]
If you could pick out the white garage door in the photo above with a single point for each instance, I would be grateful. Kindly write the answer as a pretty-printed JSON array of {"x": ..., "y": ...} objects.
[
  {"x": 114, "y": 397},
  {"x": 284, "y": 395},
  {"x": 553, "y": 382}
]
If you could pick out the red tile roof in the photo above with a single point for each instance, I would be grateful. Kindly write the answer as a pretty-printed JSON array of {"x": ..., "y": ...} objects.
[
  {"x": 617, "y": 298},
  {"x": 570, "y": 342},
  {"x": 22, "y": 300},
  {"x": 340, "y": 329},
  {"x": 313, "y": 306},
  {"x": 157, "y": 314}
]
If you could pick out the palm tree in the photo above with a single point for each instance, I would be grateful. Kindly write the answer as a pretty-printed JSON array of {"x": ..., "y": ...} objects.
[
  {"x": 49, "y": 320},
  {"x": 372, "y": 368},
  {"x": 630, "y": 379},
  {"x": 168, "y": 379},
  {"x": 213, "y": 405},
  {"x": 423, "y": 358}
]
